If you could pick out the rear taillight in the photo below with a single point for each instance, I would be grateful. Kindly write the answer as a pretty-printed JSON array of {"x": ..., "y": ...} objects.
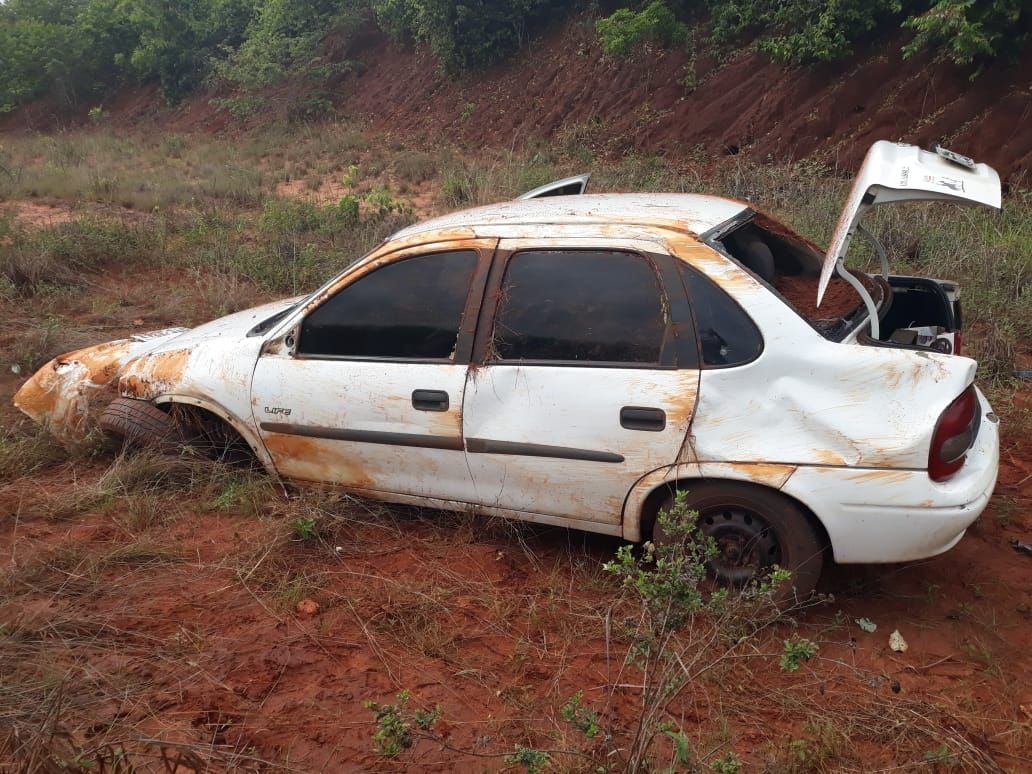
[
  {"x": 954, "y": 433},
  {"x": 956, "y": 342}
]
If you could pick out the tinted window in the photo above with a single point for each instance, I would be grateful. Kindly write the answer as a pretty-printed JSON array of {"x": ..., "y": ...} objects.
[
  {"x": 408, "y": 309},
  {"x": 727, "y": 335},
  {"x": 587, "y": 306}
]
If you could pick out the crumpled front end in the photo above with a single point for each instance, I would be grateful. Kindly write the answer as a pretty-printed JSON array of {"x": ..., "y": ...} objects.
[{"x": 63, "y": 394}]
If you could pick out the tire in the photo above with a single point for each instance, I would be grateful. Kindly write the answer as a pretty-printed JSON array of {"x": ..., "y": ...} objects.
[
  {"x": 140, "y": 423},
  {"x": 755, "y": 528}
]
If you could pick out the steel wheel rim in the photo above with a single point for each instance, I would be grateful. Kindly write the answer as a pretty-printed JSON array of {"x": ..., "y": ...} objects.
[{"x": 746, "y": 543}]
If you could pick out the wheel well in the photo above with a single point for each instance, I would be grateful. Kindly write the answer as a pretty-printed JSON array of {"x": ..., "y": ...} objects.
[
  {"x": 655, "y": 498},
  {"x": 211, "y": 434}
]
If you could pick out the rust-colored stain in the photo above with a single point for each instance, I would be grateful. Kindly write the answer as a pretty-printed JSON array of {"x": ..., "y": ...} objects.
[
  {"x": 763, "y": 473},
  {"x": 61, "y": 392},
  {"x": 828, "y": 457},
  {"x": 155, "y": 374},
  {"x": 880, "y": 475},
  {"x": 309, "y": 459}
]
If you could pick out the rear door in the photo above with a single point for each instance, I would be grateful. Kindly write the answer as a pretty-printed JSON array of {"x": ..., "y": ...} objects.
[{"x": 588, "y": 379}]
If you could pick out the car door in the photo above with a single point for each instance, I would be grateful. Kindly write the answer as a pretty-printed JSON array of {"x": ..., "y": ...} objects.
[
  {"x": 369, "y": 396},
  {"x": 588, "y": 380}
]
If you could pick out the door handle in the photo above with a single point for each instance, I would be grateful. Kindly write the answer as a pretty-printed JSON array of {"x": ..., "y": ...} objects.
[
  {"x": 638, "y": 418},
  {"x": 430, "y": 400}
]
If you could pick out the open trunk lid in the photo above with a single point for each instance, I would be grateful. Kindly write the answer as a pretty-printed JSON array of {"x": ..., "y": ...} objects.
[{"x": 896, "y": 172}]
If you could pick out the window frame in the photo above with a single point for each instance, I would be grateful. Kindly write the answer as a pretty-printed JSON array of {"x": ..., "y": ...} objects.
[
  {"x": 467, "y": 322},
  {"x": 678, "y": 345},
  {"x": 682, "y": 269}
]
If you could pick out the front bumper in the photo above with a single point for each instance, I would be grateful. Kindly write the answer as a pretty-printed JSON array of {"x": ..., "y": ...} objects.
[{"x": 891, "y": 515}]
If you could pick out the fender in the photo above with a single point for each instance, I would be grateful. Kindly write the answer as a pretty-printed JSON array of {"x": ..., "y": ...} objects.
[
  {"x": 770, "y": 475},
  {"x": 246, "y": 431}
]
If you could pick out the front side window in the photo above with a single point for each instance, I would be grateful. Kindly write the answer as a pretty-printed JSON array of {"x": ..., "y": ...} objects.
[
  {"x": 727, "y": 335},
  {"x": 409, "y": 309},
  {"x": 583, "y": 306}
]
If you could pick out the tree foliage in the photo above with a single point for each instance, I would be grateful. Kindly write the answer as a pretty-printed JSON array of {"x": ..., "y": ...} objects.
[
  {"x": 77, "y": 51},
  {"x": 626, "y": 29}
]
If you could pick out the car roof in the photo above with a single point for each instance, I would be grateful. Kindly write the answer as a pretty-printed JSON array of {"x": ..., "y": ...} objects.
[{"x": 696, "y": 213}]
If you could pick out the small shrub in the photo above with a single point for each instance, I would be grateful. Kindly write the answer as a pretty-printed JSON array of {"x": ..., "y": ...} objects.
[
  {"x": 532, "y": 761},
  {"x": 173, "y": 146},
  {"x": 394, "y": 724},
  {"x": 305, "y": 528},
  {"x": 669, "y": 583},
  {"x": 796, "y": 651},
  {"x": 457, "y": 190},
  {"x": 309, "y": 109},
  {"x": 626, "y": 30},
  {"x": 729, "y": 764},
  {"x": 584, "y": 720}
]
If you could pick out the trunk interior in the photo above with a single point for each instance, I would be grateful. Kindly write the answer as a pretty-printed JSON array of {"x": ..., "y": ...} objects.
[{"x": 913, "y": 311}]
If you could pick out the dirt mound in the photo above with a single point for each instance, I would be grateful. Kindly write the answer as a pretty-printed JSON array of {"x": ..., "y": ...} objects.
[{"x": 564, "y": 88}]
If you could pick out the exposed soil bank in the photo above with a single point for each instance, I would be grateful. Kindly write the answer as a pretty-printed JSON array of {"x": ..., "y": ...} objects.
[{"x": 563, "y": 89}]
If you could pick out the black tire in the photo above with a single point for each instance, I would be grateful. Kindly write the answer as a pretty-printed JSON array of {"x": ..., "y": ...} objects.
[
  {"x": 755, "y": 528},
  {"x": 141, "y": 423}
]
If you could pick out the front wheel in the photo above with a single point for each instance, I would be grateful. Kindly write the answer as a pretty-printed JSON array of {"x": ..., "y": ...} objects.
[{"x": 754, "y": 529}]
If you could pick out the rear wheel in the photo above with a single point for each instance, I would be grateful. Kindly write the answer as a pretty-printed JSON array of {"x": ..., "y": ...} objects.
[{"x": 754, "y": 528}]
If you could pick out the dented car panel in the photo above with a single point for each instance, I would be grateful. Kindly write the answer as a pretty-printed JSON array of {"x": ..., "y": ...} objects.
[
  {"x": 843, "y": 429},
  {"x": 923, "y": 518},
  {"x": 62, "y": 393}
]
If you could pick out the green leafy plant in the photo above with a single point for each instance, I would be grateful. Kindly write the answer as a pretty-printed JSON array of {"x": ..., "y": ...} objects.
[
  {"x": 685, "y": 629},
  {"x": 584, "y": 720},
  {"x": 394, "y": 724},
  {"x": 729, "y": 764},
  {"x": 305, "y": 528},
  {"x": 796, "y": 651},
  {"x": 625, "y": 30},
  {"x": 530, "y": 759},
  {"x": 964, "y": 30}
]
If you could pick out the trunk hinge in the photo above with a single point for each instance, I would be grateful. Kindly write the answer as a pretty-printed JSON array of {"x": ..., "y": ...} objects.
[
  {"x": 878, "y": 248},
  {"x": 858, "y": 286}
]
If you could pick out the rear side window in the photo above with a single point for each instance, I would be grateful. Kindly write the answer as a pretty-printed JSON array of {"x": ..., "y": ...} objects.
[
  {"x": 410, "y": 309},
  {"x": 603, "y": 307},
  {"x": 727, "y": 335}
]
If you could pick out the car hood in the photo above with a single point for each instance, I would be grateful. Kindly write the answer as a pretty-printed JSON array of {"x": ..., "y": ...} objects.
[
  {"x": 896, "y": 172},
  {"x": 233, "y": 326}
]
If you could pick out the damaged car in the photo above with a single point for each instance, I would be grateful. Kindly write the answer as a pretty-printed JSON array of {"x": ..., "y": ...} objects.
[{"x": 576, "y": 359}]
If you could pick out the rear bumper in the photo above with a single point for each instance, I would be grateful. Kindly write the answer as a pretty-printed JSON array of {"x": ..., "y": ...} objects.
[{"x": 889, "y": 515}]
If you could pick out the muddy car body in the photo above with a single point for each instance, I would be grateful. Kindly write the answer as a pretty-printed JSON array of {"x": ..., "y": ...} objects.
[{"x": 573, "y": 360}]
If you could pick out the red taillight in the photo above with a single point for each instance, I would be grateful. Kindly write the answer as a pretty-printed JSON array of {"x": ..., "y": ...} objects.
[
  {"x": 954, "y": 433},
  {"x": 956, "y": 342}
]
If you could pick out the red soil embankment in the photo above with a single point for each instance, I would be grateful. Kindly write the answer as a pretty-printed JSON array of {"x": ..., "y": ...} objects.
[
  {"x": 564, "y": 85},
  {"x": 563, "y": 88}
]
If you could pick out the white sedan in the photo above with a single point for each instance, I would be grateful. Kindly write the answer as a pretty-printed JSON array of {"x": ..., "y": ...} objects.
[{"x": 575, "y": 359}]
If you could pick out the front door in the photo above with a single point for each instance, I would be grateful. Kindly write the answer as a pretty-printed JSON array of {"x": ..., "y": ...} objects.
[
  {"x": 589, "y": 380},
  {"x": 370, "y": 397}
]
